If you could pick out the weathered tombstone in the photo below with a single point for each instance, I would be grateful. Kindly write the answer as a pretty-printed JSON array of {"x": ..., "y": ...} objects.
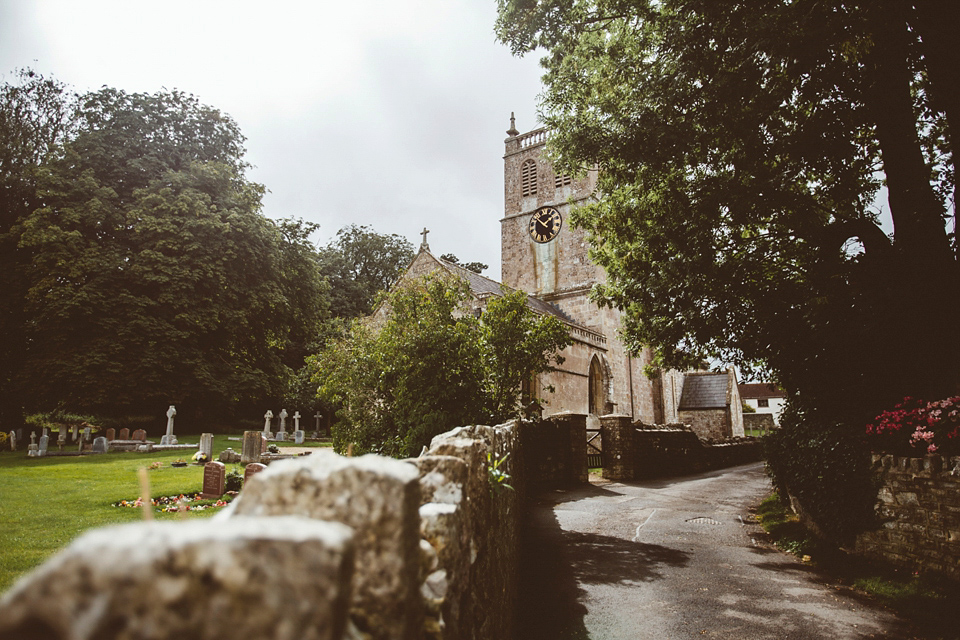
[
  {"x": 283, "y": 423},
  {"x": 73, "y": 433},
  {"x": 169, "y": 438},
  {"x": 44, "y": 443},
  {"x": 298, "y": 436},
  {"x": 267, "y": 417},
  {"x": 296, "y": 421},
  {"x": 13, "y": 441},
  {"x": 100, "y": 445},
  {"x": 264, "y": 445},
  {"x": 32, "y": 449},
  {"x": 280, "y": 436},
  {"x": 110, "y": 435},
  {"x": 124, "y": 434},
  {"x": 86, "y": 434},
  {"x": 61, "y": 438},
  {"x": 229, "y": 456},
  {"x": 251, "y": 447},
  {"x": 206, "y": 444},
  {"x": 140, "y": 435},
  {"x": 214, "y": 477},
  {"x": 252, "y": 469}
]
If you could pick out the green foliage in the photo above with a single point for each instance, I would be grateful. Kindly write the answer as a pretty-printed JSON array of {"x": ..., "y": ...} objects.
[
  {"x": 233, "y": 480},
  {"x": 826, "y": 467},
  {"x": 496, "y": 476},
  {"x": 432, "y": 367},
  {"x": 359, "y": 264},
  {"x": 476, "y": 267}
]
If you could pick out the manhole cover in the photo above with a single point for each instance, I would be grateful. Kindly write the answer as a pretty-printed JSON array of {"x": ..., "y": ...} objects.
[{"x": 703, "y": 520}]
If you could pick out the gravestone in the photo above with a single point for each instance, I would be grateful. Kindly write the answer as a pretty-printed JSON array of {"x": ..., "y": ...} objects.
[
  {"x": 32, "y": 449},
  {"x": 124, "y": 434},
  {"x": 44, "y": 443},
  {"x": 169, "y": 438},
  {"x": 110, "y": 435},
  {"x": 61, "y": 438},
  {"x": 280, "y": 436},
  {"x": 13, "y": 441},
  {"x": 251, "y": 447},
  {"x": 264, "y": 445},
  {"x": 86, "y": 434},
  {"x": 206, "y": 444},
  {"x": 100, "y": 445},
  {"x": 283, "y": 424},
  {"x": 296, "y": 421},
  {"x": 229, "y": 456},
  {"x": 73, "y": 433},
  {"x": 298, "y": 436},
  {"x": 266, "y": 422},
  {"x": 252, "y": 469},
  {"x": 140, "y": 435},
  {"x": 214, "y": 477},
  {"x": 316, "y": 433}
]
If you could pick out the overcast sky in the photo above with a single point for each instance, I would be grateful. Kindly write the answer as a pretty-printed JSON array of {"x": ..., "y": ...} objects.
[{"x": 389, "y": 113}]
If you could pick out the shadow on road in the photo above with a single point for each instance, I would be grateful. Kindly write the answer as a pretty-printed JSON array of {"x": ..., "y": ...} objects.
[{"x": 554, "y": 561}]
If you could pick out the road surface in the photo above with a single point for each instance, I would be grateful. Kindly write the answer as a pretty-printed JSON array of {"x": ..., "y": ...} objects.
[{"x": 676, "y": 559}]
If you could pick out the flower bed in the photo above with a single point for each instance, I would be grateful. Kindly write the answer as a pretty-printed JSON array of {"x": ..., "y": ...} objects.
[
  {"x": 916, "y": 427},
  {"x": 172, "y": 504}
]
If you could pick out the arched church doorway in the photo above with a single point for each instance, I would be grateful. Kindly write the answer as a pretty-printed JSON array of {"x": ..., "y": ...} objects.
[{"x": 596, "y": 389}]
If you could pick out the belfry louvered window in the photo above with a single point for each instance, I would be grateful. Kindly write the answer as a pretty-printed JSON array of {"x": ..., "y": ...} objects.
[
  {"x": 561, "y": 181},
  {"x": 528, "y": 178}
]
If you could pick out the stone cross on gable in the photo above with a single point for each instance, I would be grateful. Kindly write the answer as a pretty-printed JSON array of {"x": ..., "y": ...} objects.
[{"x": 424, "y": 245}]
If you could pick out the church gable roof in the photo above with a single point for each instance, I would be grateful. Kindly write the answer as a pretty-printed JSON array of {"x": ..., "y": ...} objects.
[{"x": 704, "y": 391}]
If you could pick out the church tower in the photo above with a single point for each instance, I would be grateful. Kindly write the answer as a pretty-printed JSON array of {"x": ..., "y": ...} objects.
[{"x": 542, "y": 254}]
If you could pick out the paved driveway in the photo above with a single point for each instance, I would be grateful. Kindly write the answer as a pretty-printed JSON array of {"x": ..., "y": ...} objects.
[{"x": 676, "y": 558}]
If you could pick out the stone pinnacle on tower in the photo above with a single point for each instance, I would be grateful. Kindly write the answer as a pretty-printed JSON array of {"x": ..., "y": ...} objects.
[{"x": 512, "y": 131}]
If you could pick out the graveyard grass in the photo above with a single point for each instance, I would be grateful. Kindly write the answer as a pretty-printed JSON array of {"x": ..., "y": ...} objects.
[{"x": 47, "y": 502}]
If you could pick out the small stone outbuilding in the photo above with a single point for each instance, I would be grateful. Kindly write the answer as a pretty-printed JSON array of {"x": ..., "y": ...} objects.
[{"x": 710, "y": 403}]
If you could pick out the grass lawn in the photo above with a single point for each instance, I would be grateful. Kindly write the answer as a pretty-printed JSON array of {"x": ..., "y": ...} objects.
[{"x": 46, "y": 502}]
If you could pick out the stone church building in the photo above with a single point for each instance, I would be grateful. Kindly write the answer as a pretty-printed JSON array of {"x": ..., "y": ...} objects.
[{"x": 544, "y": 256}]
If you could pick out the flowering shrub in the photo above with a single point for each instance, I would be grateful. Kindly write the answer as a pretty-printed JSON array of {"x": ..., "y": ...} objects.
[{"x": 915, "y": 426}]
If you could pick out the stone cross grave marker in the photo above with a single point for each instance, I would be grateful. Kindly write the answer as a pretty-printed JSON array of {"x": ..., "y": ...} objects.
[
  {"x": 267, "y": 417},
  {"x": 206, "y": 444},
  {"x": 283, "y": 420},
  {"x": 252, "y": 469},
  {"x": 111, "y": 434},
  {"x": 296, "y": 421},
  {"x": 169, "y": 438},
  {"x": 214, "y": 477},
  {"x": 124, "y": 434},
  {"x": 61, "y": 438},
  {"x": 250, "y": 452},
  {"x": 32, "y": 450}
]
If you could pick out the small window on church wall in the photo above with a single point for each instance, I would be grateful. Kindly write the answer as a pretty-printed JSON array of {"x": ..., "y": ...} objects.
[
  {"x": 562, "y": 181},
  {"x": 528, "y": 178}
]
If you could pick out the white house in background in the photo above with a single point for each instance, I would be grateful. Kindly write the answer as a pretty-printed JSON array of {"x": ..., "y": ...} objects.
[{"x": 764, "y": 397}]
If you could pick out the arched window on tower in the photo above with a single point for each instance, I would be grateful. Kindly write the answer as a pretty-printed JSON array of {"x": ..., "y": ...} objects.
[
  {"x": 528, "y": 177},
  {"x": 597, "y": 396}
]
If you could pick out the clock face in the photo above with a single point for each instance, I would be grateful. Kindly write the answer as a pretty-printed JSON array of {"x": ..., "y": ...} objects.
[{"x": 545, "y": 224}]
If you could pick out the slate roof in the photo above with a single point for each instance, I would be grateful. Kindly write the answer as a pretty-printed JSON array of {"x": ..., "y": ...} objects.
[
  {"x": 760, "y": 390},
  {"x": 704, "y": 391}
]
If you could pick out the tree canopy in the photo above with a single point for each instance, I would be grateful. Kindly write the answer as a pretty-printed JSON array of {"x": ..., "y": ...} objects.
[
  {"x": 742, "y": 146},
  {"x": 149, "y": 275},
  {"x": 432, "y": 367}
]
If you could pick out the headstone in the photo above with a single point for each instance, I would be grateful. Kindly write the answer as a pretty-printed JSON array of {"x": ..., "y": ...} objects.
[
  {"x": 32, "y": 449},
  {"x": 296, "y": 421},
  {"x": 62, "y": 438},
  {"x": 283, "y": 422},
  {"x": 13, "y": 441},
  {"x": 317, "y": 416},
  {"x": 111, "y": 435},
  {"x": 86, "y": 434},
  {"x": 169, "y": 438},
  {"x": 251, "y": 447},
  {"x": 252, "y": 469},
  {"x": 140, "y": 435},
  {"x": 298, "y": 436},
  {"x": 280, "y": 436},
  {"x": 124, "y": 434},
  {"x": 206, "y": 444},
  {"x": 264, "y": 445},
  {"x": 73, "y": 434},
  {"x": 214, "y": 476},
  {"x": 44, "y": 443},
  {"x": 100, "y": 445},
  {"x": 229, "y": 456},
  {"x": 267, "y": 417}
]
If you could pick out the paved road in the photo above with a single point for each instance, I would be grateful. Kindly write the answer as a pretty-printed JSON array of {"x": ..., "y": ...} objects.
[{"x": 672, "y": 559}]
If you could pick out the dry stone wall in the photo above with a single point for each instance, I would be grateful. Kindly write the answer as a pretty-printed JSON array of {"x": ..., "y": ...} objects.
[{"x": 919, "y": 504}]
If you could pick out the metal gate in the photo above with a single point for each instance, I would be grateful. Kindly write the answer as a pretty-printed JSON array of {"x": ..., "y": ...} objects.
[{"x": 594, "y": 449}]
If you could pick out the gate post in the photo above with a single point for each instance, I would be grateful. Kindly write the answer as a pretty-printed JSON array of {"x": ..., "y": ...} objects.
[
  {"x": 575, "y": 424},
  {"x": 619, "y": 461}
]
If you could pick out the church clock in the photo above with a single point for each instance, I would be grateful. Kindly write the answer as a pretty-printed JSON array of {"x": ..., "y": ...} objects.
[{"x": 545, "y": 224}]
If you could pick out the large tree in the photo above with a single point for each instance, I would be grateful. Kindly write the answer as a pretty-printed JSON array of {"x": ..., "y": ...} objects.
[
  {"x": 153, "y": 277},
  {"x": 742, "y": 146}
]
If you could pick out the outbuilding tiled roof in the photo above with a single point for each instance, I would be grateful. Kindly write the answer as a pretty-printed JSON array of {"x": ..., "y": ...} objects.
[
  {"x": 754, "y": 390},
  {"x": 704, "y": 391}
]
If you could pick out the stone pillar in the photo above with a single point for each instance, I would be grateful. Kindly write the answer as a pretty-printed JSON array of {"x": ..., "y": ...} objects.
[
  {"x": 575, "y": 424},
  {"x": 616, "y": 432},
  {"x": 251, "y": 447}
]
